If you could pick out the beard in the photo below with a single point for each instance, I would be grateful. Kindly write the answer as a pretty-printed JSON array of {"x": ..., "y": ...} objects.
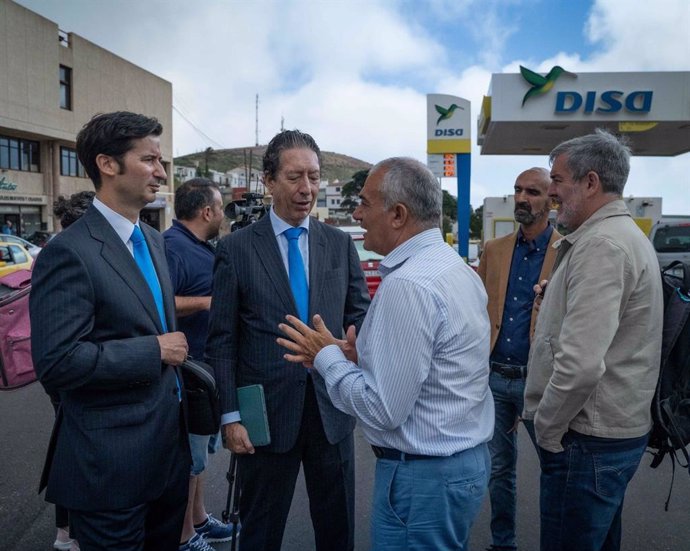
[{"x": 524, "y": 215}]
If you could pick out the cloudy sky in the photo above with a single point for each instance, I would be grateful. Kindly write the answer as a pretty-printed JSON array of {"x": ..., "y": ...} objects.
[{"x": 354, "y": 73}]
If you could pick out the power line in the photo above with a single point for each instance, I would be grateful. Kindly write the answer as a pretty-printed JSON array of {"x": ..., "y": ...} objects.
[{"x": 200, "y": 132}]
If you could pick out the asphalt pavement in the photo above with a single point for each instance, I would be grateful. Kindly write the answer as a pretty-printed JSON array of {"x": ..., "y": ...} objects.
[{"x": 26, "y": 520}]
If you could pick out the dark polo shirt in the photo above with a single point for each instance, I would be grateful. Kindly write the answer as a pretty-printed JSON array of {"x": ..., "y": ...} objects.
[{"x": 191, "y": 270}]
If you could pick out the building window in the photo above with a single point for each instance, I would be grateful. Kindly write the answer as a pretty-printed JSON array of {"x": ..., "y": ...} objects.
[
  {"x": 17, "y": 154},
  {"x": 65, "y": 87},
  {"x": 69, "y": 163}
]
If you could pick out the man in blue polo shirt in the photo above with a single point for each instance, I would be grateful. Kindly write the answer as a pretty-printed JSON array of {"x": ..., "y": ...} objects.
[{"x": 199, "y": 212}]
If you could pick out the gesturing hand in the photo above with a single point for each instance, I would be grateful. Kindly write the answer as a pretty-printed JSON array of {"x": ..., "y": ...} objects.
[{"x": 303, "y": 342}]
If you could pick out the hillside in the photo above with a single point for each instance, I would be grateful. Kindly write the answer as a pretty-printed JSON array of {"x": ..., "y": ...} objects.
[{"x": 334, "y": 167}]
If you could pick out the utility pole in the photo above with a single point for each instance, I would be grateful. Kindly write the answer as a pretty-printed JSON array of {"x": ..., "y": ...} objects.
[
  {"x": 257, "y": 119},
  {"x": 282, "y": 124}
]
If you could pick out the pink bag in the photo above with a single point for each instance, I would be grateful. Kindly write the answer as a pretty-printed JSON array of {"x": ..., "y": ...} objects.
[{"x": 16, "y": 365}]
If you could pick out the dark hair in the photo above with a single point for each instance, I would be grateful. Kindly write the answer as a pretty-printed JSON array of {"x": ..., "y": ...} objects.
[
  {"x": 112, "y": 134},
  {"x": 287, "y": 139},
  {"x": 601, "y": 152},
  {"x": 71, "y": 209},
  {"x": 192, "y": 196}
]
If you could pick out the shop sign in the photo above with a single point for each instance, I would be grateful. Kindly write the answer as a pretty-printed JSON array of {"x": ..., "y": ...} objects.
[
  {"x": 6, "y": 185},
  {"x": 590, "y": 101}
]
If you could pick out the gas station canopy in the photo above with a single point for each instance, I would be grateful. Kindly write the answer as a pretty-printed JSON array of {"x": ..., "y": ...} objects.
[{"x": 528, "y": 113}]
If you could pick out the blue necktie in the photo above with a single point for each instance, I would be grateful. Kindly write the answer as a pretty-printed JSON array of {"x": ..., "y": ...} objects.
[
  {"x": 142, "y": 257},
  {"x": 298, "y": 277}
]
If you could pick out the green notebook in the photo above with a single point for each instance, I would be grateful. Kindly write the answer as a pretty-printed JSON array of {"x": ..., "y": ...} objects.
[{"x": 253, "y": 414}]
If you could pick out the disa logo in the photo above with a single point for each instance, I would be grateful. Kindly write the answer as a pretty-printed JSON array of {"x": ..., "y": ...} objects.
[
  {"x": 540, "y": 84},
  {"x": 445, "y": 114},
  {"x": 610, "y": 101}
]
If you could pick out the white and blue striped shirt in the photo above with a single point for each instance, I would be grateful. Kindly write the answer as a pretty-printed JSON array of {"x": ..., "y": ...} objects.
[{"x": 422, "y": 384}]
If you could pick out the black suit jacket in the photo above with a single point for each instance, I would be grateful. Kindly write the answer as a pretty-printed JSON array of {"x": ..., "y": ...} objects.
[
  {"x": 94, "y": 325},
  {"x": 251, "y": 296}
]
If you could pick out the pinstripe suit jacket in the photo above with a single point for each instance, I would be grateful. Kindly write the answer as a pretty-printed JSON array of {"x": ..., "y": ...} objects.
[
  {"x": 251, "y": 296},
  {"x": 94, "y": 325}
]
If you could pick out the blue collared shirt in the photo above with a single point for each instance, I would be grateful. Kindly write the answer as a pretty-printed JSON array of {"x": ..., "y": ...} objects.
[
  {"x": 279, "y": 226},
  {"x": 422, "y": 383},
  {"x": 512, "y": 344}
]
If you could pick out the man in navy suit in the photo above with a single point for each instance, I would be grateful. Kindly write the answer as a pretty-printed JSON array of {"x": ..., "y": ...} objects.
[
  {"x": 103, "y": 337},
  {"x": 259, "y": 278}
]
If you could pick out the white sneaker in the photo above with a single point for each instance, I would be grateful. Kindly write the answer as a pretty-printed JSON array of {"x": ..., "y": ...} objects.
[{"x": 62, "y": 541}]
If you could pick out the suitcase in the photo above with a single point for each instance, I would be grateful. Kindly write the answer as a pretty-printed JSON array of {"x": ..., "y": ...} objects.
[{"x": 16, "y": 365}]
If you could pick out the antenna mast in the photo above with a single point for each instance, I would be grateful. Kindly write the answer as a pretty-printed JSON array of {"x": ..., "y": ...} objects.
[{"x": 257, "y": 119}]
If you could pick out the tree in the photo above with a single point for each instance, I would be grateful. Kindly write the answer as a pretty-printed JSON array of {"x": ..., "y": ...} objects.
[
  {"x": 450, "y": 206},
  {"x": 350, "y": 191},
  {"x": 207, "y": 153},
  {"x": 477, "y": 223}
]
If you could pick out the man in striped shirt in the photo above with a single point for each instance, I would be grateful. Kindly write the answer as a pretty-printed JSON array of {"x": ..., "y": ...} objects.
[{"x": 417, "y": 376}]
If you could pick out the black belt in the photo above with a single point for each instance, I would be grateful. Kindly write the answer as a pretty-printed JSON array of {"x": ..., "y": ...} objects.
[
  {"x": 397, "y": 455},
  {"x": 508, "y": 371}
]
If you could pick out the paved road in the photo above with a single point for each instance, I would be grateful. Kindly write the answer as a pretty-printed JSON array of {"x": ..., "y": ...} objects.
[{"x": 26, "y": 521}]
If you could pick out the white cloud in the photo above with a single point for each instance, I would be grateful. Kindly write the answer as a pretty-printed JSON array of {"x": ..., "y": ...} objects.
[
  {"x": 641, "y": 36},
  {"x": 355, "y": 74}
]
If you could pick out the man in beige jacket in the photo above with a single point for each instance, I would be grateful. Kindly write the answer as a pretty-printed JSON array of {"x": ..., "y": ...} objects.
[
  {"x": 510, "y": 267},
  {"x": 594, "y": 360}
]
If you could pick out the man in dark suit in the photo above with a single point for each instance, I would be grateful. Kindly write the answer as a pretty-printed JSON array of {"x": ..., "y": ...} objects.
[
  {"x": 261, "y": 275},
  {"x": 102, "y": 321}
]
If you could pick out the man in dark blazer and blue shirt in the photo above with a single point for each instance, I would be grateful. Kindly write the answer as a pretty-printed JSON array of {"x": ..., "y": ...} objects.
[
  {"x": 252, "y": 294},
  {"x": 103, "y": 337}
]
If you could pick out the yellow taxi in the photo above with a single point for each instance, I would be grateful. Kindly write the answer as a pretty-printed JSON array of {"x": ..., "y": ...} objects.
[{"x": 13, "y": 257}]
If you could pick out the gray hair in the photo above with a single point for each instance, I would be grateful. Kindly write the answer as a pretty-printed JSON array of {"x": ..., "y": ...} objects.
[
  {"x": 411, "y": 183},
  {"x": 601, "y": 152}
]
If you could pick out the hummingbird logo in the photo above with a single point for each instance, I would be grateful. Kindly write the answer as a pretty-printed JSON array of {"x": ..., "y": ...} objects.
[
  {"x": 540, "y": 84},
  {"x": 446, "y": 113}
]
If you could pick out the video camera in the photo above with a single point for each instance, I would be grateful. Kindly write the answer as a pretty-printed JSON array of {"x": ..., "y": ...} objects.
[{"x": 247, "y": 210}]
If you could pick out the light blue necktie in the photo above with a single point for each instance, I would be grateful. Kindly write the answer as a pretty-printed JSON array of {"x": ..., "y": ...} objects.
[
  {"x": 298, "y": 277},
  {"x": 142, "y": 257}
]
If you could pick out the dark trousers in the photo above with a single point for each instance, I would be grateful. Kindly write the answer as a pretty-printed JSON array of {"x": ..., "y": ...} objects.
[
  {"x": 582, "y": 491},
  {"x": 268, "y": 484},
  {"x": 152, "y": 526}
]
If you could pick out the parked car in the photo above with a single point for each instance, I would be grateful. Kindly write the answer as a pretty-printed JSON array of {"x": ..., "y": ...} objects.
[
  {"x": 40, "y": 238},
  {"x": 368, "y": 259},
  {"x": 671, "y": 241},
  {"x": 30, "y": 247},
  {"x": 13, "y": 257},
  {"x": 370, "y": 264}
]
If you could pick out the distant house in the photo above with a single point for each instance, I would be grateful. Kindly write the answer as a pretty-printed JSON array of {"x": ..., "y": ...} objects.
[
  {"x": 334, "y": 197},
  {"x": 184, "y": 173}
]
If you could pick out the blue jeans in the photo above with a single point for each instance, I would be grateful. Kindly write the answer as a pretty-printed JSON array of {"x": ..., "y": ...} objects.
[
  {"x": 508, "y": 402},
  {"x": 582, "y": 491},
  {"x": 428, "y": 504}
]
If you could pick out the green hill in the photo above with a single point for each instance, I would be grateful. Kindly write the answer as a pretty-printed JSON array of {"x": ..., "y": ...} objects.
[{"x": 334, "y": 165}]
